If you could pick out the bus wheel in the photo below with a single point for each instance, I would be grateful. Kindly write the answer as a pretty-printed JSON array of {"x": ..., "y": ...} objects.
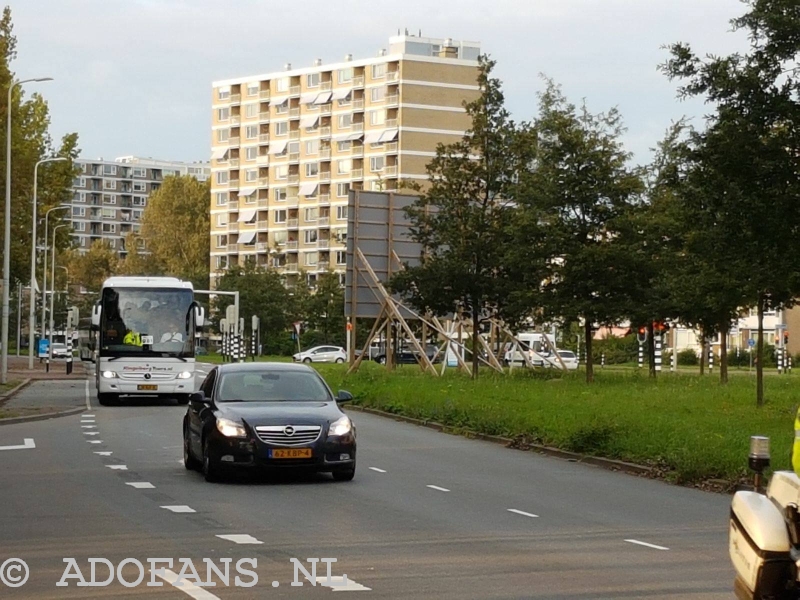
[
  {"x": 183, "y": 399},
  {"x": 107, "y": 399}
]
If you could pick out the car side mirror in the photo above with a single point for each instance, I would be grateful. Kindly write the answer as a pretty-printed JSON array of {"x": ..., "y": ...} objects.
[
  {"x": 198, "y": 398},
  {"x": 343, "y": 397}
]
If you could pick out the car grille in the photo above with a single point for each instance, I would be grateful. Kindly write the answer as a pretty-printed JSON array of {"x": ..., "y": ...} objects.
[{"x": 288, "y": 435}]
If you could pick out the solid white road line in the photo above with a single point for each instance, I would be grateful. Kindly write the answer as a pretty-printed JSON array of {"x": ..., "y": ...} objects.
[
  {"x": 653, "y": 546},
  {"x": 523, "y": 513},
  {"x": 436, "y": 487},
  {"x": 338, "y": 584},
  {"x": 182, "y": 508},
  {"x": 141, "y": 485},
  {"x": 377, "y": 470},
  {"x": 104, "y": 453},
  {"x": 118, "y": 467},
  {"x": 240, "y": 539},
  {"x": 88, "y": 402},
  {"x": 187, "y": 587},
  {"x": 27, "y": 443}
]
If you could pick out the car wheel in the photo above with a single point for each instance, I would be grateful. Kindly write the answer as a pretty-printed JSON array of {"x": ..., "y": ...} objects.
[
  {"x": 306, "y": 360},
  {"x": 210, "y": 466},
  {"x": 345, "y": 475},
  {"x": 107, "y": 399},
  {"x": 340, "y": 360},
  {"x": 189, "y": 461}
]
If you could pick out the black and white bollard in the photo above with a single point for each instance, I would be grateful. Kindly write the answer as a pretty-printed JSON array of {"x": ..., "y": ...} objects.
[
  {"x": 779, "y": 359},
  {"x": 658, "y": 351},
  {"x": 603, "y": 360},
  {"x": 253, "y": 346},
  {"x": 69, "y": 353},
  {"x": 710, "y": 358},
  {"x": 789, "y": 363},
  {"x": 641, "y": 355},
  {"x": 242, "y": 349}
]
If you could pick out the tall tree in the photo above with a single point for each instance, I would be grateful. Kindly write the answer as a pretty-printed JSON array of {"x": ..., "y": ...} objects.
[
  {"x": 89, "y": 270},
  {"x": 325, "y": 309},
  {"x": 580, "y": 190},
  {"x": 137, "y": 260},
  {"x": 462, "y": 220},
  {"x": 752, "y": 144},
  {"x": 175, "y": 226}
]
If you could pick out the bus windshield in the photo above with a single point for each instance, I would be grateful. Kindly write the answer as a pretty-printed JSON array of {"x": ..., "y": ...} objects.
[{"x": 149, "y": 322}]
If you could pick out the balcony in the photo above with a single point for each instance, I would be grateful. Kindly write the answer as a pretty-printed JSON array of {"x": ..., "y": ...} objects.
[
  {"x": 358, "y": 104},
  {"x": 263, "y": 138},
  {"x": 357, "y": 174},
  {"x": 294, "y": 157},
  {"x": 294, "y": 134},
  {"x": 247, "y": 247},
  {"x": 357, "y": 151},
  {"x": 263, "y": 182},
  {"x": 358, "y": 82},
  {"x": 393, "y": 76},
  {"x": 233, "y": 247},
  {"x": 326, "y": 109},
  {"x": 233, "y": 163},
  {"x": 391, "y": 148},
  {"x": 263, "y": 94},
  {"x": 324, "y": 199},
  {"x": 236, "y": 119},
  {"x": 291, "y": 267},
  {"x": 325, "y": 86},
  {"x": 262, "y": 224},
  {"x": 233, "y": 227},
  {"x": 262, "y": 246},
  {"x": 358, "y": 127},
  {"x": 292, "y": 224},
  {"x": 233, "y": 205},
  {"x": 236, "y": 98},
  {"x": 325, "y": 132},
  {"x": 391, "y": 123},
  {"x": 324, "y": 222},
  {"x": 323, "y": 265},
  {"x": 234, "y": 141},
  {"x": 294, "y": 113},
  {"x": 324, "y": 176},
  {"x": 294, "y": 178},
  {"x": 294, "y": 90},
  {"x": 233, "y": 184},
  {"x": 291, "y": 245},
  {"x": 264, "y": 116},
  {"x": 325, "y": 154},
  {"x": 393, "y": 100},
  {"x": 263, "y": 160}
]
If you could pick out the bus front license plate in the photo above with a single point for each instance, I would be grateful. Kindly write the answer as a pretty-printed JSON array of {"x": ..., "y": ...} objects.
[{"x": 147, "y": 388}]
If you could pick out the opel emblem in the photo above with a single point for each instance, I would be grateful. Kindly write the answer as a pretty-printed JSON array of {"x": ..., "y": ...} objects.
[
  {"x": 289, "y": 430},
  {"x": 147, "y": 375}
]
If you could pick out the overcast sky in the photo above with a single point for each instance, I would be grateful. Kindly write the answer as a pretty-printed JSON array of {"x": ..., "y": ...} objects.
[{"x": 134, "y": 76}]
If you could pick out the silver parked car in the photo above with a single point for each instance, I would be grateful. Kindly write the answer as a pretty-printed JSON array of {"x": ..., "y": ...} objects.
[{"x": 322, "y": 354}]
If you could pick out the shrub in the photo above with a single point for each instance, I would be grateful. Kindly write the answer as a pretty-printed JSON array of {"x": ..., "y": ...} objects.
[{"x": 688, "y": 358}]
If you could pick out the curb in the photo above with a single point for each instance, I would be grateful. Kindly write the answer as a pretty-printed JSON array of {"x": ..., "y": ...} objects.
[
  {"x": 605, "y": 463},
  {"x": 44, "y": 417}
]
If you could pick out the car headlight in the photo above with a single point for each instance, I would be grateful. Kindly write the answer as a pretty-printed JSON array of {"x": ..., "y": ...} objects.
[
  {"x": 230, "y": 428},
  {"x": 341, "y": 426},
  {"x": 185, "y": 375},
  {"x": 109, "y": 375}
]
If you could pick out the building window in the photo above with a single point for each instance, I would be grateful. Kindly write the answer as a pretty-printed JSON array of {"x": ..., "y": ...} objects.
[
  {"x": 342, "y": 189},
  {"x": 294, "y": 147},
  {"x": 223, "y": 114},
  {"x": 312, "y": 214},
  {"x": 376, "y": 163},
  {"x": 341, "y": 257},
  {"x": 344, "y": 146},
  {"x": 78, "y": 211},
  {"x": 280, "y": 216},
  {"x": 251, "y": 153},
  {"x": 341, "y": 213},
  {"x": 109, "y": 213},
  {"x": 109, "y": 184},
  {"x": 79, "y": 182},
  {"x": 312, "y": 169},
  {"x": 139, "y": 172},
  {"x": 311, "y": 258},
  {"x": 222, "y": 178},
  {"x": 222, "y": 262},
  {"x": 79, "y": 225},
  {"x": 109, "y": 169},
  {"x": 378, "y": 94},
  {"x": 280, "y": 195},
  {"x": 283, "y": 84},
  {"x": 280, "y": 237},
  {"x": 282, "y": 128},
  {"x": 345, "y": 75},
  {"x": 340, "y": 235},
  {"x": 137, "y": 215},
  {"x": 312, "y": 80},
  {"x": 142, "y": 201},
  {"x": 282, "y": 172},
  {"x": 347, "y": 100},
  {"x": 224, "y": 93},
  {"x": 379, "y": 71},
  {"x": 251, "y": 110},
  {"x": 251, "y": 132},
  {"x": 109, "y": 227},
  {"x": 251, "y": 175},
  {"x": 109, "y": 199},
  {"x": 345, "y": 121},
  {"x": 222, "y": 241},
  {"x": 79, "y": 197},
  {"x": 344, "y": 166},
  {"x": 312, "y": 147},
  {"x": 252, "y": 89},
  {"x": 377, "y": 117},
  {"x": 222, "y": 220},
  {"x": 223, "y": 135},
  {"x": 282, "y": 108}
]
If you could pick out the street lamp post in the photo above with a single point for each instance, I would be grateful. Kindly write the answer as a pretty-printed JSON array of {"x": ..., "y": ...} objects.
[
  {"x": 44, "y": 266},
  {"x": 7, "y": 233},
  {"x": 32, "y": 311},
  {"x": 53, "y": 293}
]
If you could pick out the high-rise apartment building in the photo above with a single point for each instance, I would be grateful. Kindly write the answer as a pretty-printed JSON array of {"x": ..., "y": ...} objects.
[
  {"x": 288, "y": 146},
  {"x": 109, "y": 197}
]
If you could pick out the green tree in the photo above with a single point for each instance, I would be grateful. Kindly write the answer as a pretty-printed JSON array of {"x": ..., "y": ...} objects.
[
  {"x": 463, "y": 218},
  {"x": 579, "y": 191},
  {"x": 751, "y": 145},
  {"x": 89, "y": 270},
  {"x": 138, "y": 261},
  {"x": 175, "y": 225},
  {"x": 325, "y": 310}
]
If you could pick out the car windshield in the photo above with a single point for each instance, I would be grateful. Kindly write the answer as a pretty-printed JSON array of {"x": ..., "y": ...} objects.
[
  {"x": 566, "y": 355},
  {"x": 272, "y": 386}
]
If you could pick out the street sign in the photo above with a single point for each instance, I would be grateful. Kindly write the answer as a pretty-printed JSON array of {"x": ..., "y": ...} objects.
[
  {"x": 297, "y": 327},
  {"x": 255, "y": 322},
  {"x": 43, "y": 348},
  {"x": 751, "y": 342}
]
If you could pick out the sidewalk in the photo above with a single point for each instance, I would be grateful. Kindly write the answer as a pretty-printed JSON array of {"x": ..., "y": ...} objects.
[
  {"x": 18, "y": 369},
  {"x": 42, "y": 399}
]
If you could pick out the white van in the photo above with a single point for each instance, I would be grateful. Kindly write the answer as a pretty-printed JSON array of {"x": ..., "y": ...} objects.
[{"x": 533, "y": 343}]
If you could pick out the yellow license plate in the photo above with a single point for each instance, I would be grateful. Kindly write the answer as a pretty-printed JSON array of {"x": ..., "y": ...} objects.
[
  {"x": 148, "y": 388},
  {"x": 290, "y": 453}
]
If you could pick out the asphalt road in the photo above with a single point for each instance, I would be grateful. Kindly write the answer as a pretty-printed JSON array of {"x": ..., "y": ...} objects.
[{"x": 428, "y": 515}]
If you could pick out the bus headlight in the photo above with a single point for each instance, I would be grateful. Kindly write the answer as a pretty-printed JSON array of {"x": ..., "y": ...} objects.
[
  {"x": 185, "y": 375},
  {"x": 109, "y": 375}
]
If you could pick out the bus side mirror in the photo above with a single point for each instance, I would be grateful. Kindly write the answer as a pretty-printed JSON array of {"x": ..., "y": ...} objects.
[
  {"x": 199, "y": 317},
  {"x": 96, "y": 310}
]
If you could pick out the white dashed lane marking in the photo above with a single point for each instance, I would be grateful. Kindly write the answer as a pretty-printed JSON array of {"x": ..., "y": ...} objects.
[
  {"x": 182, "y": 508},
  {"x": 141, "y": 485},
  {"x": 104, "y": 453},
  {"x": 118, "y": 467},
  {"x": 89, "y": 426},
  {"x": 437, "y": 488},
  {"x": 377, "y": 470},
  {"x": 95, "y": 441},
  {"x": 91, "y": 433},
  {"x": 523, "y": 513},
  {"x": 646, "y": 545},
  {"x": 240, "y": 539}
]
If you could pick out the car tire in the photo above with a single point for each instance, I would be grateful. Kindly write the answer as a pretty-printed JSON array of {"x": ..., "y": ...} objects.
[
  {"x": 107, "y": 399},
  {"x": 210, "y": 466},
  {"x": 189, "y": 461},
  {"x": 339, "y": 360},
  {"x": 306, "y": 360},
  {"x": 344, "y": 475}
]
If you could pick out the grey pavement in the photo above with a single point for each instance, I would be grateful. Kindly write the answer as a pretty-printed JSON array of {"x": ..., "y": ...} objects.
[
  {"x": 428, "y": 515},
  {"x": 54, "y": 394}
]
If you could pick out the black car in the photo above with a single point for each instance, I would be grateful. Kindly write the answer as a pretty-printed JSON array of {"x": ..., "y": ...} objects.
[
  {"x": 268, "y": 416},
  {"x": 409, "y": 355}
]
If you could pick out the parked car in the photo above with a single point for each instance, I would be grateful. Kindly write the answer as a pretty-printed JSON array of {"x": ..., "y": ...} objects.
[
  {"x": 322, "y": 354},
  {"x": 408, "y": 355},
  {"x": 532, "y": 344},
  {"x": 274, "y": 416},
  {"x": 60, "y": 350},
  {"x": 568, "y": 358}
]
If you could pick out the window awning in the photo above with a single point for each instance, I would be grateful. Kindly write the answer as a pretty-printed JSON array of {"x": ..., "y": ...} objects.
[
  {"x": 341, "y": 94},
  {"x": 246, "y": 216},
  {"x": 224, "y": 88},
  {"x": 277, "y": 147},
  {"x": 355, "y": 136},
  {"x": 247, "y": 237},
  {"x": 372, "y": 137},
  {"x": 308, "y": 97},
  {"x": 389, "y": 135},
  {"x": 323, "y": 98},
  {"x": 278, "y": 100},
  {"x": 309, "y": 121},
  {"x": 219, "y": 153},
  {"x": 246, "y": 191},
  {"x": 308, "y": 189}
]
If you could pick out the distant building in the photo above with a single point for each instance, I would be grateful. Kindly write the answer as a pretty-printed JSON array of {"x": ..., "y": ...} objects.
[{"x": 109, "y": 197}]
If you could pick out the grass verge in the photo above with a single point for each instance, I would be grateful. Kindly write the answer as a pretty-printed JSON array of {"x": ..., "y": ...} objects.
[{"x": 689, "y": 428}]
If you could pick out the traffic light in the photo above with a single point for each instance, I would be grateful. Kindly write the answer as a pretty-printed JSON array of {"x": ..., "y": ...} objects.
[
  {"x": 785, "y": 339},
  {"x": 642, "y": 330}
]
